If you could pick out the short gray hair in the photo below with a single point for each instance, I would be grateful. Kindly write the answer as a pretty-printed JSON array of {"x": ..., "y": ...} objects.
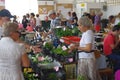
[
  {"x": 85, "y": 22},
  {"x": 9, "y": 27}
]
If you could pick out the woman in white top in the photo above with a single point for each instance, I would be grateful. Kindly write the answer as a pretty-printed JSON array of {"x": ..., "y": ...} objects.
[
  {"x": 86, "y": 61},
  {"x": 12, "y": 55}
]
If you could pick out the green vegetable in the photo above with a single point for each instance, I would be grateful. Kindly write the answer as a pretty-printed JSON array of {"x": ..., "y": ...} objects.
[
  {"x": 60, "y": 32},
  {"x": 80, "y": 77},
  {"x": 48, "y": 46},
  {"x": 52, "y": 76},
  {"x": 60, "y": 51},
  {"x": 67, "y": 32},
  {"x": 30, "y": 76}
]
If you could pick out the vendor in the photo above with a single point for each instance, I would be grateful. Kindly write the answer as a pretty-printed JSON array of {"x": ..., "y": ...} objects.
[{"x": 54, "y": 21}]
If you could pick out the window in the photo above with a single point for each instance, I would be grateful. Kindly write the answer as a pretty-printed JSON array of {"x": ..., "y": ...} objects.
[
  {"x": 113, "y": 2},
  {"x": 91, "y": 0},
  {"x": 21, "y": 7}
]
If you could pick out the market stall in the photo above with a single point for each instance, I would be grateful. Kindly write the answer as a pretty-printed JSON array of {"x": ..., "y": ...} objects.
[{"x": 54, "y": 61}]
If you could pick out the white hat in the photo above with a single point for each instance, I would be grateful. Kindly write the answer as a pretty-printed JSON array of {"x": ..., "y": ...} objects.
[{"x": 51, "y": 12}]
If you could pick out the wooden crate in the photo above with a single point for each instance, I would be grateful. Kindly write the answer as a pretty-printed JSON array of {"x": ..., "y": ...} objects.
[{"x": 71, "y": 71}]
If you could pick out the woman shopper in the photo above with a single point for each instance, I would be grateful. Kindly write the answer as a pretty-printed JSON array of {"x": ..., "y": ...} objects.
[
  {"x": 86, "y": 59},
  {"x": 12, "y": 55}
]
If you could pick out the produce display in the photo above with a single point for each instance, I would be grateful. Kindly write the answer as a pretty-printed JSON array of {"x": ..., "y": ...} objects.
[
  {"x": 60, "y": 51},
  {"x": 61, "y": 32},
  {"x": 80, "y": 77},
  {"x": 44, "y": 68},
  {"x": 40, "y": 58},
  {"x": 54, "y": 52},
  {"x": 29, "y": 74},
  {"x": 70, "y": 39}
]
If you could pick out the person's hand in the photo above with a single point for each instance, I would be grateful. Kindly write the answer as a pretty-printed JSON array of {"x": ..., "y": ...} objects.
[
  {"x": 71, "y": 48},
  {"x": 69, "y": 51}
]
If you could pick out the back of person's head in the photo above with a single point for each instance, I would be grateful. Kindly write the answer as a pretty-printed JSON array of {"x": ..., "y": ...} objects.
[
  {"x": 88, "y": 15},
  {"x": 74, "y": 14},
  {"x": 111, "y": 17},
  {"x": 37, "y": 15},
  {"x": 9, "y": 27},
  {"x": 27, "y": 15},
  {"x": 69, "y": 13},
  {"x": 24, "y": 16},
  {"x": 32, "y": 14},
  {"x": 116, "y": 28}
]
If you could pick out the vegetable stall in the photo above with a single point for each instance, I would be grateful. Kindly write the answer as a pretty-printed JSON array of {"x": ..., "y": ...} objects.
[{"x": 52, "y": 62}]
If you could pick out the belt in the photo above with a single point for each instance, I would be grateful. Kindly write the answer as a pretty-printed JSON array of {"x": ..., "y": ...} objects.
[{"x": 86, "y": 51}]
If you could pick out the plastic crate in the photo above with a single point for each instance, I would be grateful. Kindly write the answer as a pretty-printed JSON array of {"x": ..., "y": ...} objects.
[
  {"x": 71, "y": 71},
  {"x": 71, "y": 39}
]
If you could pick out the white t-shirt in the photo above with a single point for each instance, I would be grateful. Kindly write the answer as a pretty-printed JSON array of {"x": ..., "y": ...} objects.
[
  {"x": 10, "y": 59},
  {"x": 38, "y": 21},
  {"x": 87, "y": 37}
]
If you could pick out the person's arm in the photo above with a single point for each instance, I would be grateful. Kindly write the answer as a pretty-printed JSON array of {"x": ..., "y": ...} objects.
[
  {"x": 114, "y": 42},
  {"x": 88, "y": 48},
  {"x": 25, "y": 60},
  {"x": 87, "y": 39},
  {"x": 113, "y": 46}
]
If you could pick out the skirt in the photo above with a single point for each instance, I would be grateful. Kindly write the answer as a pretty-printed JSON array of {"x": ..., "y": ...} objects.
[{"x": 87, "y": 69}]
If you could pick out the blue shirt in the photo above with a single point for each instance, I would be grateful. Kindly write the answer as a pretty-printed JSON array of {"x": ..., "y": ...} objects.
[{"x": 55, "y": 22}]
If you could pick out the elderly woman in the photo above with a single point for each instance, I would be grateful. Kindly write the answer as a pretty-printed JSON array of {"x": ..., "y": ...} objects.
[
  {"x": 86, "y": 62},
  {"x": 12, "y": 55},
  {"x": 86, "y": 58}
]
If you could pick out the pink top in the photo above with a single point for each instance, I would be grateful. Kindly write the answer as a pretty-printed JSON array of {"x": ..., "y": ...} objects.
[{"x": 29, "y": 28}]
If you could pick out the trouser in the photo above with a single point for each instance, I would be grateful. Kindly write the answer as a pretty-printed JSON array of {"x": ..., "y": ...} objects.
[
  {"x": 87, "y": 69},
  {"x": 116, "y": 61}
]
